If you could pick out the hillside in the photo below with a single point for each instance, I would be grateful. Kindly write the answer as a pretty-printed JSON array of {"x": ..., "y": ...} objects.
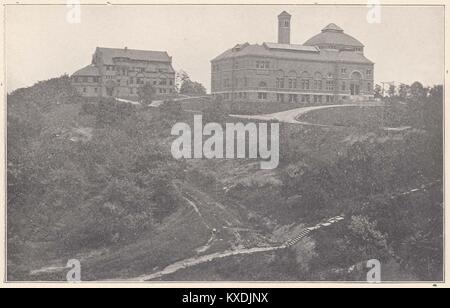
[{"x": 96, "y": 181}]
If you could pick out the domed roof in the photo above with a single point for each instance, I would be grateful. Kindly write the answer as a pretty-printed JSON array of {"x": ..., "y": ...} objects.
[{"x": 333, "y": 35}]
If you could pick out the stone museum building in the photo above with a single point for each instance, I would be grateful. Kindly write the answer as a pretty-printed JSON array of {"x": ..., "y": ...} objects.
[
  {"x": 327, "y": 68},
  {"x": 120, "y": 72}
]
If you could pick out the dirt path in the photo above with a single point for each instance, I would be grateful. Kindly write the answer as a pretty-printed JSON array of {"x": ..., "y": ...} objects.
[
  {"x": 291, "y": 116},
  {"x": 184, "y": 264}
]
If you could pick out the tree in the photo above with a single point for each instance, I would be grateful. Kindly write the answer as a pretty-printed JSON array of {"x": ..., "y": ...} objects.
[
  {"x": 180, "y": 77},
  {"x": 189, "y": 87},
  {"x": 418, "y": 92},
  {"x": 146, "y": 93},
  {"x": 391, "y": 90},
  {"x": 378, "y": 92},
  {"x": 404, "y": 91}
]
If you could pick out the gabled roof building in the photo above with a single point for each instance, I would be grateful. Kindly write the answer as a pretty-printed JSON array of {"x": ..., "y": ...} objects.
[
  {"x": 327, "y": 68},
  {"x": 116, "y": 72}
]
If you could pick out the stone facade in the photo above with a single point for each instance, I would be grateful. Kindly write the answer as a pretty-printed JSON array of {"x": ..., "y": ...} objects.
[
  {"x": 328, "y": 68},
  {"x": 120, "y": 72}
]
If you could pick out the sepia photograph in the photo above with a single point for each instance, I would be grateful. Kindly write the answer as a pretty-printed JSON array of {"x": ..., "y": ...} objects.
[{"x": 277, "y": 143}]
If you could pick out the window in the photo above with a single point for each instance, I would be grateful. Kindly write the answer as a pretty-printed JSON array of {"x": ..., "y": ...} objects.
[
  {"x": 343, "y": 86},
  {"x": 305, "y": 84},
  {"x": 318, "y": 84},
  {"x": 84, "y": 90},
  {"x": 85, "y": 79},
  {"x": 245, "y": 81},
  {"x": 293, "y": 98},
  {"x": 330, "y": 85},
  {"x": 262, "y": 95},
  {"x": 280, "y": 83},
  {"x": 263, "y": 64},
  {"x": 280, "y": 97},
  {"x": 329, "y": 99},
  {"x": 369, "y": 73},
  {"x": 292, "y": 83},
  {"x": 317, "y": 98},
  {"x": 369, "y": 87},
  {"x": 343, "y": 70},
  {"x": 96, "y": 90}
]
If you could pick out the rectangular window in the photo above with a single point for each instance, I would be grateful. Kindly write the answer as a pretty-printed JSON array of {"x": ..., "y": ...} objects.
[
  {"x": 280, "y": 97},
  {"x": 330, "y": 85},
  {"x": 318, "y": 84},
  {"x": 293, "y": 98},
  {"x": 305, "y": 98},
  {"x": 343, "y": 86},
  {"x": 262, "y": 95},
  {"x": 305, "y": 84},
  {"x": 369, "y": 73},
  {"x": 263, "y": 64},
  {"x": 343, "y": 70}
]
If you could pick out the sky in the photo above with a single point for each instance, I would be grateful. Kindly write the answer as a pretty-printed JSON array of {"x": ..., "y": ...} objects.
[{"x": 406, "y": 46}]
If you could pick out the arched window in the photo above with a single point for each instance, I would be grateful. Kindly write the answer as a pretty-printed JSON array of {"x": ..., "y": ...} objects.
[
  {"x": 305, "y": 81},
  {"x": 318, "y": 81},
  {"x": 292, "y": 79},
  {"x": 280, "y": 79},
  {"x": 356, "y": 75}
]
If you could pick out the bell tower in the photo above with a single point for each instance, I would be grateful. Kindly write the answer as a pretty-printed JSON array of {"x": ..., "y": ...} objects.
[{"x": 284, "y": 28}]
